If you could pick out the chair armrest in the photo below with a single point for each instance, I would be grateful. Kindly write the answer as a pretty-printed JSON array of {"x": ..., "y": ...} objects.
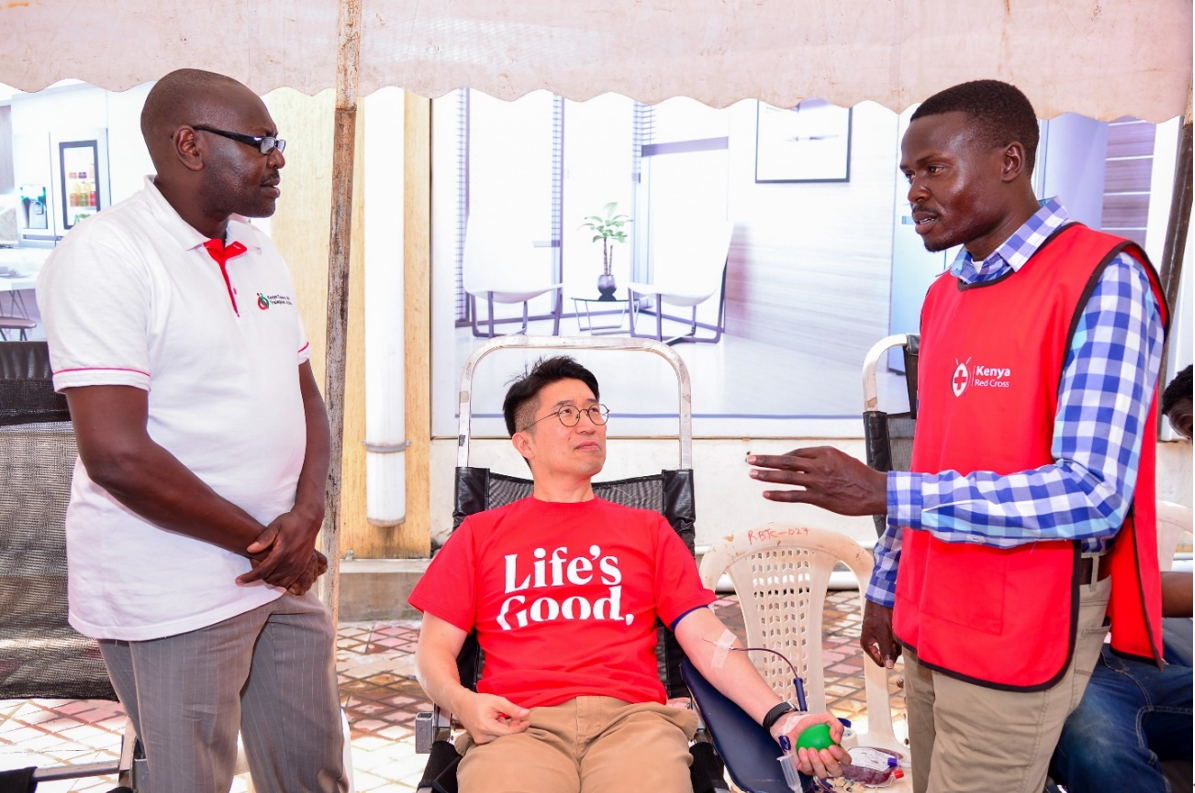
[
  {"x": 747, "y": 749},
  {"x": 431, "y": 726}
]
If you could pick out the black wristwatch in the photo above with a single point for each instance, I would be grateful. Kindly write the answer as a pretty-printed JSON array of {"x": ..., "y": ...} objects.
[{"x": 769, "y": 721}]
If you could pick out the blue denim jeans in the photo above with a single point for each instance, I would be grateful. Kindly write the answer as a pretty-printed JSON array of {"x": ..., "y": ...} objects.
[{"x": 1132, "y": 716}]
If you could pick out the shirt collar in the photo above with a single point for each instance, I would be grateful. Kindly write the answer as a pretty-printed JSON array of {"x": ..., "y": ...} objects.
[
  {"x": 187, "y": 236},
  {"x": 1017, "y": 249}
]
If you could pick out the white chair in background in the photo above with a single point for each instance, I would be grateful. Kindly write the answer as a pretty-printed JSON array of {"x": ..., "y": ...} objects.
[
  {"x": 8, "y": 220},
  {"x": 1174, "y": 520},
  {"x": 688, "y": 272},
  {"x": 502, "y": 264},
  {"x": 781, "y": 573}
]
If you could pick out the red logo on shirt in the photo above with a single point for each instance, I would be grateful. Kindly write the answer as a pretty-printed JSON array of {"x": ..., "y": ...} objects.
[
  {"x": 958, "y": 381},
  {"x": 979, "y": 376},
  {"x": 262, "y": 301}
]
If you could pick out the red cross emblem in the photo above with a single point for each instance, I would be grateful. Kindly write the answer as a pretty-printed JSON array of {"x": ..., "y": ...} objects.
[{"x": 958, "y": 383}]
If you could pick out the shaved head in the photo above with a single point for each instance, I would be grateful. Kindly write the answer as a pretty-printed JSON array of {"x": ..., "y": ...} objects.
[
  {"x": 183, "y": 97},
  {"x": 206, "y": 133}
]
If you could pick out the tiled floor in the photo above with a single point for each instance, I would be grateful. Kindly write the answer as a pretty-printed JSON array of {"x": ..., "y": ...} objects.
[{"x": 380, "y": 696}]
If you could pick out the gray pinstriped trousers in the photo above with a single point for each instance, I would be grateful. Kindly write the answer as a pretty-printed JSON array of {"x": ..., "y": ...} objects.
[{"x": 268, "y": 673}]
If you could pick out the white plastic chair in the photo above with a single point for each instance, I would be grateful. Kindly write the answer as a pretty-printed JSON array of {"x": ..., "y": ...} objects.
[
  {"x": 1174, "y": 520},
  {"x": 502, "y": 264},
  {"x": 781, "y": 572},
  {"x": 689, "y": 272}
]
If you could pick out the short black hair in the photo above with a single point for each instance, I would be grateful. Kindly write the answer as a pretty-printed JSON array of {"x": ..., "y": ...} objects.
[
  {"x": 1001, "y": 113},
  {"x": 522, "y": 397},
  {"x": 1178, "y": 390}
]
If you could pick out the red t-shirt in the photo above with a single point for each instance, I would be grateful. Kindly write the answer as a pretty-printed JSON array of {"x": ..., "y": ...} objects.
[{"x": 564, "y": 597}]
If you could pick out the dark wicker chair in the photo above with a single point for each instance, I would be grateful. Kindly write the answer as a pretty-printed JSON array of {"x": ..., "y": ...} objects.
[{"x": 42, "y": 655}]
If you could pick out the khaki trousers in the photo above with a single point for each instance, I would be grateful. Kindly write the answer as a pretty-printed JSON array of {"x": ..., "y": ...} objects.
[
  {"x": 970, "y": 739},
  {"x": 589, "y": 744}
]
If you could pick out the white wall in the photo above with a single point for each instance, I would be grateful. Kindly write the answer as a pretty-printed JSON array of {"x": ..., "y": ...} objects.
[
  {"x": 597, "y": 170},
  {"x": 727, "y": 500},
  {"x": 127, "y": 153},
  {"x": 1072, "y": 161},
  {"x": 813, "y": 261}
]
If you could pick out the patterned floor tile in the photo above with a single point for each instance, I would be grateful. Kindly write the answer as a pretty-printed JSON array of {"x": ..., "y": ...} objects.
[{"x": 380, "y": 696}]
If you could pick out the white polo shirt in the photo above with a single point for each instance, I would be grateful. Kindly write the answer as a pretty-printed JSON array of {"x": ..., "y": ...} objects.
[{"x": 131, "y": 297}]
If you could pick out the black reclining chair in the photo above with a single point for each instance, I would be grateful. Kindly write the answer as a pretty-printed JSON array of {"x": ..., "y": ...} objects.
[
  {"x": 889, "y": 436},
  {"x": 41, "y": 655},
  {"x": 668, "y": 492}
]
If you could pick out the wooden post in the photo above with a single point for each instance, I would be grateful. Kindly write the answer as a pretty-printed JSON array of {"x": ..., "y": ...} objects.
[
  {"x": 417, "y": 321},
  {"x": 344, "y": 140},
  {"x": 1171, "y": 271}
]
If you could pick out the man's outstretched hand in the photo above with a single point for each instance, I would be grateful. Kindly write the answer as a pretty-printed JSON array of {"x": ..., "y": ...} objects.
[{"x": 827, "y": 478}]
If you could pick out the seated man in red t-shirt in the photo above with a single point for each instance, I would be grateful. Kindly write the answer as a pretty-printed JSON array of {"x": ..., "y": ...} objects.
[{"x": 564, "y": 590}]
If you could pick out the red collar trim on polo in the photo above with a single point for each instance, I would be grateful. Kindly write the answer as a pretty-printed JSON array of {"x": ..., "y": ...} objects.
[{"x": 222, "y": 253}]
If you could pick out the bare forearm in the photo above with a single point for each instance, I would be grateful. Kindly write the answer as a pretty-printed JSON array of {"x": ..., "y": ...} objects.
[
  {"x": 1176, "y": 594},
  {"x": 152, "y": 483},
  {"x": 120, "y": 456},
  {"x": 313, "y": 479},
  {"x": 438, "y": 675},
  {"x": 734, "y": 675}
]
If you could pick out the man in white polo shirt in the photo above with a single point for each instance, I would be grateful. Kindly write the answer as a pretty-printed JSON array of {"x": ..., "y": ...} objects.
[{"x": 203, "y": 455}]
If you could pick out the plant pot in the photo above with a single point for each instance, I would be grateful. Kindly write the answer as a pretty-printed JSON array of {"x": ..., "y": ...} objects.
[{"x": 606, "y": 286}]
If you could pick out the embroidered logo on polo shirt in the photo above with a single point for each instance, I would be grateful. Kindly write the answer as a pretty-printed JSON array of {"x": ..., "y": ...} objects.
[
  {"x": 265, "y": 301},
  {"x": 979, "y": 376}
]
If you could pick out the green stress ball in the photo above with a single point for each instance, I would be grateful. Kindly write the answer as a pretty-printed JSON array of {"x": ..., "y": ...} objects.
[{"x": 816, "y": 737}]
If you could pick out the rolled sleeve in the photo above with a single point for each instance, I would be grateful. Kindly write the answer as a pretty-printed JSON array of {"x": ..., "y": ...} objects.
[{"x": 882, "y": 587}]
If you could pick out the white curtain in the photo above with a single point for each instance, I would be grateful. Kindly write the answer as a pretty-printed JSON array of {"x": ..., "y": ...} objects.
[{"x": 1100, "y": 58}]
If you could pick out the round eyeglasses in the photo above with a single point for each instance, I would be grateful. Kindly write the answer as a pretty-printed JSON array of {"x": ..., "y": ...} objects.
[{"x": 571, "y": 416}]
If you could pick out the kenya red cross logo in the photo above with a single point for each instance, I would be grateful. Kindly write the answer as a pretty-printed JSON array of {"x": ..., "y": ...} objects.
[{"x": 958, "y": 382}]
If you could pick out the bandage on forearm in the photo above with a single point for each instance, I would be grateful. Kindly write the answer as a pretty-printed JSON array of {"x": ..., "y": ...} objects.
[{"x": 722, "y": 649}]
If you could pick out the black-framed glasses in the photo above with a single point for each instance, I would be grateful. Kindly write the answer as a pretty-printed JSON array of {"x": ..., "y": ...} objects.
[
  {"x": 265, "y": 144},
  {"x": 571, "y": 416}
]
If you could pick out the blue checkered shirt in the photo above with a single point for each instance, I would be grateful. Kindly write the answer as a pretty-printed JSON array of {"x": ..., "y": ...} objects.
[{"x": 1103, "y": 404}]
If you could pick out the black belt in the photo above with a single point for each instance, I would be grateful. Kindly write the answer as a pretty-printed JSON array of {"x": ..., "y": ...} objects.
[{"x": 1085, "y": 568}]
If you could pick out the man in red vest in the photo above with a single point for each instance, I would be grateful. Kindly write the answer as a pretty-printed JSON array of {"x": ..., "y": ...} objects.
[{"x": 1028, "y": 515}]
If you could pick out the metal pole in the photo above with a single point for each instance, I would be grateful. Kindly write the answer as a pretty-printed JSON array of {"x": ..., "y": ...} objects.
[{"x": 343, "y": 150}]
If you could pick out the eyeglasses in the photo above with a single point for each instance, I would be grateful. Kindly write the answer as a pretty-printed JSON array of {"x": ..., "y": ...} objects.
[
  {"x": 265, "y": 144},
  {"x": 570, "y": 416}
]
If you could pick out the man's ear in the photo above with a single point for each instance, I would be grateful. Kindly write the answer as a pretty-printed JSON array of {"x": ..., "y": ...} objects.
[
  {"x": 1014, "y": 162},
  {"x": 187, "y": 149},
  {"x": 522, "y": 444}
]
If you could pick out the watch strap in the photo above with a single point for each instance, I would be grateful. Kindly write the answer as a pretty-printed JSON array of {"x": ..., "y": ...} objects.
[{"x": 774, "y": 715}]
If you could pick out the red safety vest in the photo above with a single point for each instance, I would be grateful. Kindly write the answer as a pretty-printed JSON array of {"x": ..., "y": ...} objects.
[{"x": 991, "y": 362}]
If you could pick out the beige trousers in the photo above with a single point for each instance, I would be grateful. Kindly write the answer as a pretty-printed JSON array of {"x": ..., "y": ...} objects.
[
  {"x": 586, "y": 745},
  {"x": 970, "y": 739}
]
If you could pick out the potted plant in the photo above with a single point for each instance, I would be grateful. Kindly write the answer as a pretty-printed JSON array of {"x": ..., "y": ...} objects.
[{"x": 607, "y": 227}]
